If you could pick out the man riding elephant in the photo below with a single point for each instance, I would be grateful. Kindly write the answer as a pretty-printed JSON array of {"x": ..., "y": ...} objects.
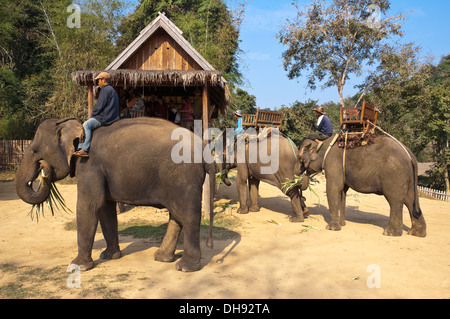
[{"x": 385, "y": 167}]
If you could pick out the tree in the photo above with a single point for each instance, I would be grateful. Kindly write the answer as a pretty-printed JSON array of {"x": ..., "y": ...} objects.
[
  {"x": 90, "y": 47},
  {"x": 417, "y": 111},
  {"x": 347, "y": 37},
  {"x": 22, "y": 61},
  {"x": 298, "y": 120}
]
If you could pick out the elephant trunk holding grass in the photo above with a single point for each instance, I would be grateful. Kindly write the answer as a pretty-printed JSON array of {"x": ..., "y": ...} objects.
[
  {"x": 130, "y": 162},
  {"x": 383, "y": 168},
  {"x": 253, "y": 168}
]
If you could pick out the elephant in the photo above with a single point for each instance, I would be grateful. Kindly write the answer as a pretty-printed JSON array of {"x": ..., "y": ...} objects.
[
  {"x": 385, "y": 167},
  {"x": 250, "y": 174},
  {"x": 129, "y": 162}
]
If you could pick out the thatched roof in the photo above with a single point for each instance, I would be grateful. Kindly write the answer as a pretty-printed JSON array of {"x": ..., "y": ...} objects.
[
  {"x": 137, "y": 78},
  {"x": 124, "y": 77}
]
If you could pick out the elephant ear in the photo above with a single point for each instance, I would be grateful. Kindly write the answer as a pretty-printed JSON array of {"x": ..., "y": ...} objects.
[
  {"x": 306, "y": 147},
  {"x": 70, "y": 133}
]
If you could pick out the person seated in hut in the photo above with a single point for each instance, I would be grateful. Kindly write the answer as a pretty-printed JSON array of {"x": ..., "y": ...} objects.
[
  {"x": 174, "y": 115},
  {"x": 186, "y": 113},
  {"x": 105, "y": 112},
  {"x": 134, "y": 102},
  {"x": 324, "y": 127},
  {"x": 161, "y": 108}
]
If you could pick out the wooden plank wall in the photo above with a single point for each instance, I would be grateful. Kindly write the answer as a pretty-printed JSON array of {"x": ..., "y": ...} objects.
[
  {"x": 11, "y": 152},
  {"x": 161, "y": 52}
]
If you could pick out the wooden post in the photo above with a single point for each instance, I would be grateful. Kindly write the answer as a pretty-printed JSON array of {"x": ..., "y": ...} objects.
[
  {"x": 205, "y": 118},
  {"x": 90, "y": 100}
]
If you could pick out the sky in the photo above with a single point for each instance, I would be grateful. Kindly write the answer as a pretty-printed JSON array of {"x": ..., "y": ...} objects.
[{"x": 427, "y": 24}]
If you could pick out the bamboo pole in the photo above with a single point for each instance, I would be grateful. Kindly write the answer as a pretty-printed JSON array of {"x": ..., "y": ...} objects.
[
  {"x": 205, "y": 118},
  {"x": 90, "y": 99}
]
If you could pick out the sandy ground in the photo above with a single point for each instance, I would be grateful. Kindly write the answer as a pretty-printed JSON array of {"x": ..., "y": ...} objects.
[{"x": 265, "y": 256}]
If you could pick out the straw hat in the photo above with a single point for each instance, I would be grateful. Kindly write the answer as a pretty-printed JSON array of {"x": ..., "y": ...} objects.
[{"x": 320, "y": 109}]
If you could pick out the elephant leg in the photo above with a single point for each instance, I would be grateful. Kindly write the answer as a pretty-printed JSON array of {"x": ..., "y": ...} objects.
[
  {"x": 191, "y": 260},
  {"x": 418, "y": 227},
  {"x": 342, "y": 206},
  {"x": 395, "y": 226},
  {"x": 296, "y": 203},
  {"x": 253, "y": 186},
  {"x": 86, "y": 228},
  {"x": 91, "y": 205},
  {"x": 241, "y": 184},
  {"x": 108, "y": 222},
  {"x": 302, "y": 203},
  {"x": 334, "y": 197},
  {"x": 166, "y": 253}
]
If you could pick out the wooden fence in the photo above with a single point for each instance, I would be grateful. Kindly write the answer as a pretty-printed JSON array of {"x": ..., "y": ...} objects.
[
  {"x": 11, "y": 152},
  {"x": 441, "y": 195}
]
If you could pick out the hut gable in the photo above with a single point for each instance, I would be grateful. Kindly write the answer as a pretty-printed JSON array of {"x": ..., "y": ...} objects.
[
  {"x": 160, "y": 46},
  {"x": 161, "y": 61}
]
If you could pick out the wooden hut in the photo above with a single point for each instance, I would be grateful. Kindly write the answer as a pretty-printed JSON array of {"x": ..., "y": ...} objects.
[{"x": 161, "y": 62}]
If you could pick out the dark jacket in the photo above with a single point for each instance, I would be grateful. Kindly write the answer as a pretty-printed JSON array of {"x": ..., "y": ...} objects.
[
  {"x": 106, "y": 111},
  {"x": 325, "y": 127}
]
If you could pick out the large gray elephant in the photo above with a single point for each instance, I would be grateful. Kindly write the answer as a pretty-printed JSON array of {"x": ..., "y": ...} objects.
[
  {"x": 251, "y": 172},
  {"x": 383, "y": 168},
  {"x": 129, "y": 162}
]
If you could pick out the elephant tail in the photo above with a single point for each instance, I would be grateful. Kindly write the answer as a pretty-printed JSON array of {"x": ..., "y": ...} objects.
[
  {"x": 211, "y": 171},
  {"x": 417, "y": 212}
]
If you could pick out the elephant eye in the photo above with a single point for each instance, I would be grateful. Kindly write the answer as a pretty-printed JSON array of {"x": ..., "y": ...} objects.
[{"x": 34, "y": 152}]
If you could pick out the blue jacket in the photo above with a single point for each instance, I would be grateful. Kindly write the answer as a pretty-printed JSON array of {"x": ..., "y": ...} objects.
[
  {"x": 325, "y": 127},
  {"x": 239, "y": 128},
  {"x": 106, "y": 111}
]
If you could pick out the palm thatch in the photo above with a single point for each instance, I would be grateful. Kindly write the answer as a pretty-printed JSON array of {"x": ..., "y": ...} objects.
[
  {"x": 136, "y": 78},
  {"x": 125, "y": 77}
]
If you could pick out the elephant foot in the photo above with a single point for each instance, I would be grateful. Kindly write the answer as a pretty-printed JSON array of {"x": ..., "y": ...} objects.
[
  {"x": 83, "y": 265},
  {"x": 254, "y": 209},
  {"x": 164, "y": 257},
  {"x": 417, "y": 232},
  {"x": 111, "y": 254},
  {"x": 393, "y": 231},
  {"x": 185, "y": 266},
  {"x": 305, "y": 211},
  {"x": 296, "y": 219},
  {"x": 334, "y": 226},
  {"x": 242, "y": 210}
]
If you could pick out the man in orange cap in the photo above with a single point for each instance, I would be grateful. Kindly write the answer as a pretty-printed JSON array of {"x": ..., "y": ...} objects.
[{"x": 105, "y": 112}]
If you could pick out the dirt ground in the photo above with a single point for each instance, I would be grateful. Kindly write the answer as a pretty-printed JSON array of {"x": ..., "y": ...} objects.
[{"x": 263, "y": 256}]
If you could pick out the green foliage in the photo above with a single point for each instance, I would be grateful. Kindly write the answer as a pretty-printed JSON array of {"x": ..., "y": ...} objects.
[
  {"x": 298, "y": 120},
  {"x": 417, "y": 112},
  {"x": 38, "y": 51},
  {"x": 240, "y": 100},
  {"x": 331, "y": 41}
]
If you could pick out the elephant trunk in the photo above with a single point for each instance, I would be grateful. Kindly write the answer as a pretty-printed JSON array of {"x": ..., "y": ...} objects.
[
  {"x": 305, "y": 182},
  {"x": 226, "y": 180},
  {"x": 223, "y": 167},
  {"x": 25, "y": 177}
]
